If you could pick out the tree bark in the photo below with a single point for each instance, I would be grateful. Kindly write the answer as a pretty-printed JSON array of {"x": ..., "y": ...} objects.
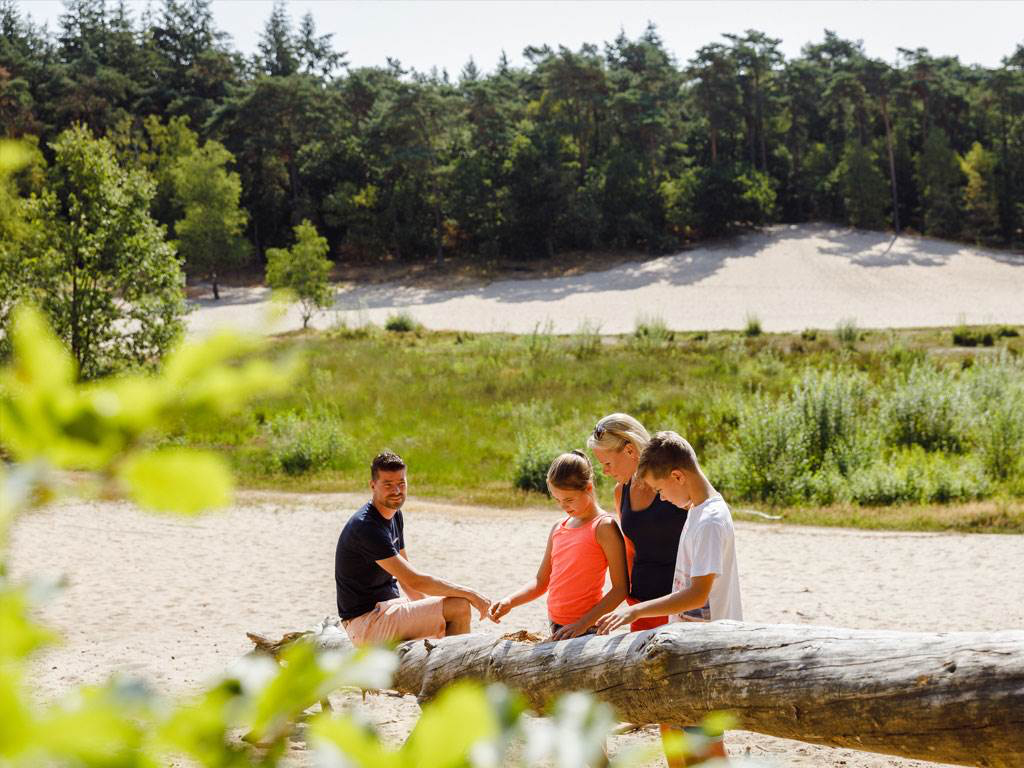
[
  {"x": 892, "y": 166},
  {"x": 948, "y": 697}
]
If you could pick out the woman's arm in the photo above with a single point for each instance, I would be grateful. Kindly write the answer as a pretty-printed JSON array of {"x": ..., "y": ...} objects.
[
  {"x": 614, "y": 547},
  {"x": 529, "y": 591}
]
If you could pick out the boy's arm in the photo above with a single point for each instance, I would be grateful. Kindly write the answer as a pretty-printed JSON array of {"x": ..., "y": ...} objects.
[
  {"x": 426, "y": 584},
  {"x": 529, "y": 591},
  {"x": 410, "y": 592},
  {"x": 694, "y": 596},
  {"x": 609, "y": 536}
]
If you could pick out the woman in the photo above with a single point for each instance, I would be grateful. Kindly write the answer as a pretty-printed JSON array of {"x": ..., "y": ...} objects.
[{"x": 652, "y": 526}]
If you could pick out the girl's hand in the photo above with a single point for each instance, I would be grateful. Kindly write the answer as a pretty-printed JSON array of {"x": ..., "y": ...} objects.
[
  {"x": 499, "y": 609},
  {"x": 569, "y": 631},
  {"x": 615, "y": 619}
]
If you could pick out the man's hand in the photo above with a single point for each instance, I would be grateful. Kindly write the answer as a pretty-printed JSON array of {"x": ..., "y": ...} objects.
[
  {"x": 499, "y": 609},
  {"x": 481, "y": 603},
  {"x": 570, "y": 630},
  {"x": 610, "y": 621}
]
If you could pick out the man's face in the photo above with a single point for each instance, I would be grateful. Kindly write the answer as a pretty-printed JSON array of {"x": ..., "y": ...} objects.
[
  {"x": 389, "y": 489},
  {"x": 673, "y": 487}
]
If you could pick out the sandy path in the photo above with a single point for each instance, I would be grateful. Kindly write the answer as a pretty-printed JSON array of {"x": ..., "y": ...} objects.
[
  {"x": 170, "y": 600},
  {"x": 791, "y": 277}
]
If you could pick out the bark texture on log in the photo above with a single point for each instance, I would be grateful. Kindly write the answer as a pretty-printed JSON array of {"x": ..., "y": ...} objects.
[{"x": 954, "y": 697}]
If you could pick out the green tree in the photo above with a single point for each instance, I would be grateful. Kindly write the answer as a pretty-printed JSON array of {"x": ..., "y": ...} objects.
[
  {"x": 864, "y": 187},
  {"x": 303, "y": 270},
  {"x": 981, "y": 207},
  {"x": 97, "y": 263},
  {"x": 940, "y": 179},
  {"x": 210, "y": 236}
]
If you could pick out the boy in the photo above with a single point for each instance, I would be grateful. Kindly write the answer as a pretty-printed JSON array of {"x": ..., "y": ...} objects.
[{"x": 706, "y": 586}]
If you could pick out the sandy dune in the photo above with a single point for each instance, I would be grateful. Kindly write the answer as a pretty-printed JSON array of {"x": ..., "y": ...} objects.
[
  {"x": 170, "y": 599},
  {"x": 791, "y": 277}
]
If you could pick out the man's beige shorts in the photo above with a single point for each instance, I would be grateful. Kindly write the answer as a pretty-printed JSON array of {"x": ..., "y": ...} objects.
[{"x": 392, "y": 621}]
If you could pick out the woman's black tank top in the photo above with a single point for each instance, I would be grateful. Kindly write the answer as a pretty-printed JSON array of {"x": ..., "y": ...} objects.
[{"x": 655, "y": 533}]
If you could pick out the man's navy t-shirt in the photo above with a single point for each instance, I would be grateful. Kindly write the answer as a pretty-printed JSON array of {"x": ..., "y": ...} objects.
[{"x": 367, "y": 537}]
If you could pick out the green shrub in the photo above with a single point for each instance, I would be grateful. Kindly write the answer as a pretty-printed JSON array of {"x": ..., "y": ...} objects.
[
  {"x": 401, "y": 322},
  {"x": 753, "y": 326},
  {"x": 1007, "y": 332},
  {"x": 973, "y": 337},
  {"x": 809, "y": 334},
  {"x": 1000, "y": 440},
  {"x": 770, "y": 458},
  {"x": 926, "y": 409},
  {"x": 847, "y": 331},
  {"x": 317, "y": 442},
  {"x": 827, "y": 410},
  {"x": 651, "y": 332},
  {"x": 586, "y": 341},
  {"x": 540, "y": 344},
  {"x": 531, "y": 465},
  {"x": 883, "y": 485}
]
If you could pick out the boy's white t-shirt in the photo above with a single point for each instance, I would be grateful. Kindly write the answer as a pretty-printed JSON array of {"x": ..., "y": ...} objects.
[{"x": 708, "y": 545}]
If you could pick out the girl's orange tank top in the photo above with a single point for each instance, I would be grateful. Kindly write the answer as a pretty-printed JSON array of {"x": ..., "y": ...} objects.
[{"x": 578, "y": 567}]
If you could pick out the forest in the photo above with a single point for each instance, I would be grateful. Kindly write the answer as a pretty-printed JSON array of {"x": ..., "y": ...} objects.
[{"x": 615, "y": 146}]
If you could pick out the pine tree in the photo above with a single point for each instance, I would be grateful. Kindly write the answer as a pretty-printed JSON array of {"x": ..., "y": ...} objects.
[
  {"x": 940, "y": 179},
  {"x": 980, "y": 203}
]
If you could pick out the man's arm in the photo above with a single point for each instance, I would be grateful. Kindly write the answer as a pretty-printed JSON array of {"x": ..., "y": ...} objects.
[
  {"x": 694, "y": 596},
  {"x": 411, "y": 592},
  {"x": 426, "y": 584}
]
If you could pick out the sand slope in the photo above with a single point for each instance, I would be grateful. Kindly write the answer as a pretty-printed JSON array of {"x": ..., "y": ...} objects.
[
  {"x": 792, "y": 277},
  {"x": 171, "y": 599}
]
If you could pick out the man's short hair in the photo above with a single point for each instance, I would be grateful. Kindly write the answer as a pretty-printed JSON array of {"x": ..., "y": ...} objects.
[
  {"x": 667, "y": 451},
  {"x": 385, "y": 461}
]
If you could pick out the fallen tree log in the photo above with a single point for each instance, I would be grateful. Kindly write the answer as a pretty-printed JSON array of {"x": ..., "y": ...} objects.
[{"x": 955, "y": 697}]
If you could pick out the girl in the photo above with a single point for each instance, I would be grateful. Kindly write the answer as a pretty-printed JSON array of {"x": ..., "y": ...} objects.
[{"x": 581, "y": 548}]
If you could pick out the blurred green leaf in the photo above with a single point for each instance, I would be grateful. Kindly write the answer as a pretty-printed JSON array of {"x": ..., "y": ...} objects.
[
  {"x": 178, "y": 480},
  {"x": 15, "y": 718},
  {"x": 19, "y": 635},
  {"x": 357, "y": 743},
  {"x": 458, "y": 720},
  {"x": 99, "y": 726},
  {"x": 717, "y": 723},
  {"x": 298, "y": 685}
]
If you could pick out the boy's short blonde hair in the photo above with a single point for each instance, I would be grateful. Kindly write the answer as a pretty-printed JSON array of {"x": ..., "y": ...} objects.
[{"x": 667, "y": 451}]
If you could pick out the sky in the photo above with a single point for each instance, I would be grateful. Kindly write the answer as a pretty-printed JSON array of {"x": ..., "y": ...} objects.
[{"x": 446, "y": 33}]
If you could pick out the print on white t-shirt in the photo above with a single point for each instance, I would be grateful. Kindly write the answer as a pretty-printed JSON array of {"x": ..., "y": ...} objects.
[{"x": 708, "y": 545}]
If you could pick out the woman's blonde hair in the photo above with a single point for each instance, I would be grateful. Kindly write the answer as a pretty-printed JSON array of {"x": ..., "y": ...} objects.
[
  {"x": 571, "y": 472},
  {"x": 615, "y": 430}
]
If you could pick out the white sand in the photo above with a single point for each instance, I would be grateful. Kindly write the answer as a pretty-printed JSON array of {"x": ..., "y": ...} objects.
[
  {"x": 791, "y": 277},
  {"x": 170, "y": 600}
]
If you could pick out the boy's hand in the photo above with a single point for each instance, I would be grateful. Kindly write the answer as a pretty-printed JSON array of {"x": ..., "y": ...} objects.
[
  {"x": 569, "y": 631},
  {"x": 499, "y": 609},
  {"x": 611, "y": 621}
]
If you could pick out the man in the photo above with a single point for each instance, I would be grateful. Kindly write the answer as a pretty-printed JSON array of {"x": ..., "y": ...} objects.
[{"x": 370, "y": 563}]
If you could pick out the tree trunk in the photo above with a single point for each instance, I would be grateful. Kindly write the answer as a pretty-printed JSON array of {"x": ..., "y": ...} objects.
[
  {"x": 948, "y": 697},
  {"x": 216, "y": 291},
  {"x": 892, "y": 165}
]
